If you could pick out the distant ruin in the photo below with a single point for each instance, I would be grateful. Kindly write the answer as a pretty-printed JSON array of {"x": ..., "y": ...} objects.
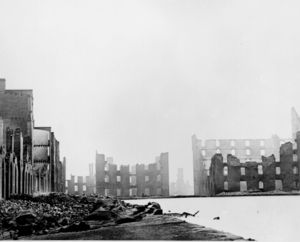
[
  {"x": 124, "y": 181},
  {"x": 244, "y": 165}
]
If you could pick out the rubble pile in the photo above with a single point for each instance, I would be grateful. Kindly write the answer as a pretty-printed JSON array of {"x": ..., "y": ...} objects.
[{"x": 54, "y": 213}]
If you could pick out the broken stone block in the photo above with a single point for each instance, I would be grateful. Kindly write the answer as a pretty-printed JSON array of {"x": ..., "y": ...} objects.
[{"x": 101, "y": 214}]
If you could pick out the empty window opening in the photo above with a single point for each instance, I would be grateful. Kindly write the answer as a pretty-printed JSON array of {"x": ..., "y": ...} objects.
[
  {"x": 118, "y": 178},
  {"x": 132, "y": 180},
  {"x": 225, "y": 186},
  {"x": 217, "y": 143},
  {"x": 295, "y": 157},
  {"x": 203, "y": 152},
  {"x": 278, "y": 185},
  {"x": 146, "y": 167},
  {"x": 295, "y": 146},
  {"x": 232, "y": 143},
  {"x": 295, "y": 170},
  {"x": 225, "y": 159},
  {"x": 158, "y": 178},
  {"x": 262, "y": 152},
  {"x": 118, "y": 192},
  {"x": 84, "y": 188},
  {"x": 243, "y": 186},
  {"x": 218, "y": 151},
  {"x": 147, "y": 191},
  {"x": 76, "y": 188},
  {"x": 247, "y": 142},
  {"x": 233, "y": 152},
  {"x": 225, "y": 171},
  {"x": 106, "y": 167},
  {"x": 262, "y": 143},
  {"x": 133, "y": 169},
  {"x": 106, "y": 178},
  {"x": 132, "y": 192},
  {"x": 277, "y": 170},
  {"x": 260, "y": 169},
  {"x": 261, "y": 185},
  {"x": 243, "y": 171},
  {"x": 248, "y": 152}
]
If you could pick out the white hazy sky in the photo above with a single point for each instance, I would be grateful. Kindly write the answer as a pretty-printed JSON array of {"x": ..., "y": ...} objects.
[{"x": 132, "y": 79}]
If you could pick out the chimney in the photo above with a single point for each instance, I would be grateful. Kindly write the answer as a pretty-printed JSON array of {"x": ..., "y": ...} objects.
[{"x": 2, "y": 85}]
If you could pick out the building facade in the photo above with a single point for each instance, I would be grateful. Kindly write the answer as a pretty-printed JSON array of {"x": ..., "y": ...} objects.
[
  {"x": 20, "y": 157},
  {"x": 82, "y": 185},
  {"x": 246, "y": 151},
  {"x": 124, "y": 181},
  {"x": 267, "y": 174},
  {"x": 49, "y": 172},
  {"x": 16, "y": 135},
  {"x": 139, "y": 180}
]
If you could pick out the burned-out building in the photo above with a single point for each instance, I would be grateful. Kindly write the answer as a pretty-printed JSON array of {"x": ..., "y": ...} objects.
[
  {"x": 138, "y": 180},
  {"x": 48, "y": 171},
  {"x": 16, "y": 134},
  {"x": 267, "y": 174},
  {"x": 82, "y": 185},
  {"x": 247, "y": 164},
  {"x": 18, "y": 163}
]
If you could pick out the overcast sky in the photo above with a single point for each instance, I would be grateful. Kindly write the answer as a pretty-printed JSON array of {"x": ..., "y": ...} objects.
[{"x": 132, "y": 79}]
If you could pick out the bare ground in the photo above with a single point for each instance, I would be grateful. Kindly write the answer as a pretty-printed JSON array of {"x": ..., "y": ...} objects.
[{"x": 158, "y": 227}]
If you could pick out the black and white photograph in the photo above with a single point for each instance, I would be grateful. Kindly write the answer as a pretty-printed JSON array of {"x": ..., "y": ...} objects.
[{"x": 150, "y": 120}]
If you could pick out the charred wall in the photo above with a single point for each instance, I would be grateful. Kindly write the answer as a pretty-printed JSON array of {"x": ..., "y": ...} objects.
[
  {"x": 142, "y": 180},
  {"x": 230, "y": 175}
]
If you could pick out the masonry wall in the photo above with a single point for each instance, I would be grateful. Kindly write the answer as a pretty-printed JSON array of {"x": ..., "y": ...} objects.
[
  {"x": 15, "y": 174},
  {"x": 121, "y": 181},
  {"x": 22, "y": 171},
  {"x": 16, "y": 127},
  {"x": 247, "y": 150},
  {"x": 266, "y": 175},
  {"x": 49, "y": 171},
  {"x": 100, "y": 174}
]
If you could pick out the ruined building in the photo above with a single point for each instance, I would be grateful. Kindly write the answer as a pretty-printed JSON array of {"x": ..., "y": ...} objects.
[
  {"x": 139, "y": 180},
  {"x": 17, "y": 161},
  {"x": 242, "y": 155},
  {"x": 82, "y": 185},
  {"x": 49, "y": 172},
  {"x": 124, "y": 181},
  {"x": 16, "y": 133},
  {"x": 267, "y": 174}
]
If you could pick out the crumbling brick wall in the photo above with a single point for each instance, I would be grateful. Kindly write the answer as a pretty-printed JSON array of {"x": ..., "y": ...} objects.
[
  {"x": 247, "y": 150},
  {"x": 268, "y": 176},
  {"x": 285, "y": 171},
  {"x": 151, "y": 180}
]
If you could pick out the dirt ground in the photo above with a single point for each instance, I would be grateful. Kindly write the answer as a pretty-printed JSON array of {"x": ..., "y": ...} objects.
[{"x": 160, "y": 227}]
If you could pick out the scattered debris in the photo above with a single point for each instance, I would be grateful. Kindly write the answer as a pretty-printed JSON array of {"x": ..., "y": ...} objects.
[
  {"x": 184, "y": 214},
  {"x": 24, "y": 215}
]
